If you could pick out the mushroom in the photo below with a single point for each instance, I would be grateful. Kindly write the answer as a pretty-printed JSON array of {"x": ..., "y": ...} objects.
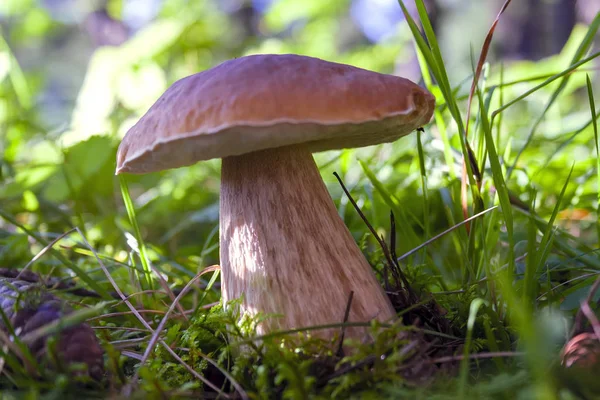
[{"x": 283, "y": 247}]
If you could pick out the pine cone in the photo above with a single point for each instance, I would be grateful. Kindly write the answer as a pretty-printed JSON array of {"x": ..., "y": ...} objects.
[
  {"x": 580, "y": 362},
  {"x": 583, "y": 351},
  {"x": 28, "y": 306}
]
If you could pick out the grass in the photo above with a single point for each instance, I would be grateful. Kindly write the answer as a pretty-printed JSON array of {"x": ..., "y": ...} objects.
[{"x": 491, "y": 260}]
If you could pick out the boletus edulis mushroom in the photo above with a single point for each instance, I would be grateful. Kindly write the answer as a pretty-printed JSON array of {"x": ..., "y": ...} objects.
[{"x": 283, "y": 247}]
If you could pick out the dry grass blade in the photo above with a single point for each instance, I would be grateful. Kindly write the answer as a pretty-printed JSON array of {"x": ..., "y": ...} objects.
[
  {"x": 386, "y": 252},
  {"x": 587, "y": 311},
  {"x": 158, "y": 312},
  {"x": 147, "y": 326},
  {"x": 564, "y": 284},
  {"x": 183, "y": 313},
  {"x": 167, "y": 289},
  {"x": 439, "y": 235},
  {"x": 460, "y": 357},
  {"x": 65, "y": 261},
  {"x": 9, "y": 344},
  {"x": 482, "y": 57},
  {"x": 161, "y": 325},
  {"x": 132, "y": 354},
  {"x": 44, "y": 251},
  {"x": 340, "y": 350},
  {"x": 164, "y": 319},
  {"x": 578, "y": 325},
  {"x": 59, "y": 324},
  {"x": 51, "y": 283}
]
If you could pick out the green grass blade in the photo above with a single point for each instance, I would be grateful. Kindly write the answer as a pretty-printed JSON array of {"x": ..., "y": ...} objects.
[
  {"x": 544, "y": 83},
  {"x": 562, "y": 241},
  {"x": 464, "y": 364},
  {"x": 423, "y": 171},
  {"x": 531, "y": 262},
  {"x": 572, "y": 136},
  {"x": 66, "y": 262},
  {"x": 499, "y": 182},
  {"x": 590, "y": 92},
  {"x": 437, "y": 115},
  {"x": 523, "y": 321},
  {"x": 548, "y": 233},
  {"x": 17, "y": 77},
  {"x": 408, "y": 235},
  {"x": 138, "y": 235},
  {"x": 432, "y": 40},
  {"x": 433, "y": 57},
  {"x": 209, "y": 286},
  {"x": 584, "y": 46}
]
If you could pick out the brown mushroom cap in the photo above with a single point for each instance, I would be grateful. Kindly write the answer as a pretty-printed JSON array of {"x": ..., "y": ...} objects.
[{"x": 265, "y": 101}]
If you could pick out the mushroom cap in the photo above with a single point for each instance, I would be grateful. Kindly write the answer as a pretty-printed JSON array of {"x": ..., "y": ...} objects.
[{"x": 265, "y": 101}]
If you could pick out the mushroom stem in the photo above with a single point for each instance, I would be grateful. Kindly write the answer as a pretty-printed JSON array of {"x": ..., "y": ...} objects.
[{"x": 287, "y": 251}]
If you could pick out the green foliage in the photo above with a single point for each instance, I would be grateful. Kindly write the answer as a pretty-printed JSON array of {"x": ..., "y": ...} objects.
[{"x": 510, "y": 284}]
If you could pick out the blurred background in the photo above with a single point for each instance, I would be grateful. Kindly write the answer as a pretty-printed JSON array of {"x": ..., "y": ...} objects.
[
  {"x": 70, "y": 46},
  {"x": 76, "y": 74}
]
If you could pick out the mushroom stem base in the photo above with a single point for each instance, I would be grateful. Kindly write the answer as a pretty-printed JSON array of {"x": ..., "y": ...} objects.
[{"x": 285, "y": 249}]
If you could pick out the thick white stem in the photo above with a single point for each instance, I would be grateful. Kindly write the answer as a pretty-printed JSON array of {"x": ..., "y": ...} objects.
[{"x": 287, "y": 251}]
